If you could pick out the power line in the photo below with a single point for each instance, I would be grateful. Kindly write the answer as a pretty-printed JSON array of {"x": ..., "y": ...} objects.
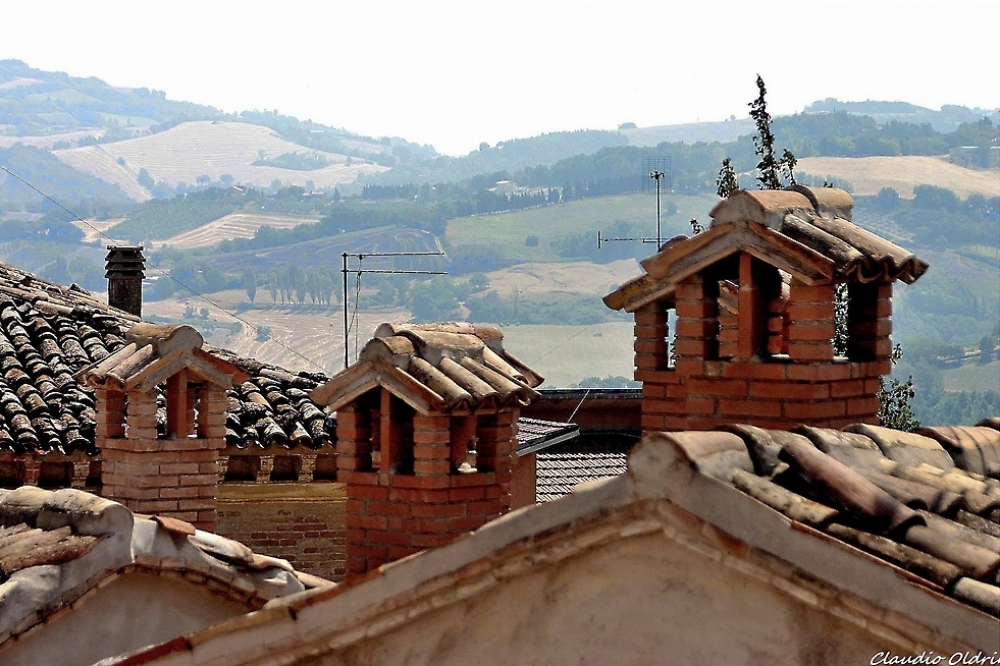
[
  {"x": 360, "y": 256},
  {"x": 166, "y": 274}
]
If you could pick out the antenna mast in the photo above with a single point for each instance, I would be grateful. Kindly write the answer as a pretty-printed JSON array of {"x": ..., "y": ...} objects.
[
  {"x": 656, "y": 170},
  {"x": 361, "y": 257}
]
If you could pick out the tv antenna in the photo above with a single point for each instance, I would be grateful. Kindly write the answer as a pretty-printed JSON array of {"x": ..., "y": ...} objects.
[
  {"x": 659, "y": 171},
  {"x": 361, "y": 256},
  {"x": 656, "y": 174}
]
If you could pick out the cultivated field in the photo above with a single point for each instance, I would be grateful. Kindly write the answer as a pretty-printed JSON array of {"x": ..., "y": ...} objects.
[
  {"x": 236, "y": 225},
  {"x": 538, "y": 280},
  {"x": 565, "y": 355},
  {"x": 212, "y": 149},
  {"x": 973, "y": 377},
  {"x": 301, "y": 338},
  {"x": 868, "y": 175},
  {"x": 46, "y": 142},
  {"x": 98, "y": 230},
  {"x": 509, "y": 231},
  {"x": 313, "y": 339}
]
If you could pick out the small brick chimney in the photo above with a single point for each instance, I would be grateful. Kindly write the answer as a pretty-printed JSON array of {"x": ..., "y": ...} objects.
[
  {"x": 754, "y": 298},
  {"x": 426, "y": 437},
  {"x": 173, "y": 471},
  {"x": 125, "y": 267}
]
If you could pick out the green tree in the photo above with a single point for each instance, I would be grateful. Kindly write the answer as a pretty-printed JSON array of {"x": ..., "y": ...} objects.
[
  {"x": 479, "y": 281},
  {"x": 895, "y": 400},
  {"x": 250, "y": 284},
  {"x": 434, "y": 300},
  {"x": 727, "y": 183},
  {"x": 771, "y": 170}
]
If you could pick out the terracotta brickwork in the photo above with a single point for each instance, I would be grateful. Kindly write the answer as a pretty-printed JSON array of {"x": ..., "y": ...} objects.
[
  {"x": 756, "y": 305},
  {"x": 394, "y": 511},
  {"x": 300, "y": 522},
  {"x": 426, "y": 437},
  {"x": 795, "y": 379},
  {"x": 174, "y": 472},
  {"x": 177, "y": 477}
]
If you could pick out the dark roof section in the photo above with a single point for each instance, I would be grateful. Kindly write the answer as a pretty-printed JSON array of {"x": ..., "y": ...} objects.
[
  {"x": 561, "y": 468},
  {"x": 435, "y": 368},
  {"x": 901, "y": 497},
  {"x": 804, "y": 231},
  {"x": 48, "y": 332},
  {"x": 534, "y": 435}
]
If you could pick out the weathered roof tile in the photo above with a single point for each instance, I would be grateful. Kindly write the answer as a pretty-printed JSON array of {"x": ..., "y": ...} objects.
[
  {"x": 50, "y": 332},
  {"x": 902, "y": 497}
]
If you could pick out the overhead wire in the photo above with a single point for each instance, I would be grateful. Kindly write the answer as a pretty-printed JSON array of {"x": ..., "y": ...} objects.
[{"x": 257, "y": 330}]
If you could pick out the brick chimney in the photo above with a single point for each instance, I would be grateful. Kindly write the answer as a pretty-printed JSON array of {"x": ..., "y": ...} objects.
[
  {"x": 125, "y": 267},
  {"x": 173, "y": 470},
  {"x": 426, "y": 437},
  {"x": 754, "y": 300}
]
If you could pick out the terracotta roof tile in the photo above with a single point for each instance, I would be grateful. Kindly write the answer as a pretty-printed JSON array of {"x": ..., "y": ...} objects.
[
  {"x": 435, "y": 368},
  {"x": 48, "y": 332},
  {"x": 564, "y": 466},
  {"x": 807, "y": 232},
  {"x": 889, "y": 493},
  {"x": 56, "y": 546}
]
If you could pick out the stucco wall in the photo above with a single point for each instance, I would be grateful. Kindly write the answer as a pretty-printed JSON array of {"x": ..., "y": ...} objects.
[
  {"x": 130, "y": 612},
  {"x": 645, "y": 600}
]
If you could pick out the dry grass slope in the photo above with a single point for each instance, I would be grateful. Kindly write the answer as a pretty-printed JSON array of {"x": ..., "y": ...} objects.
[
  {"x": 235, "y": 225},
  {"x": 212, "y": 149},
  {"x": 868, "y": 175}
]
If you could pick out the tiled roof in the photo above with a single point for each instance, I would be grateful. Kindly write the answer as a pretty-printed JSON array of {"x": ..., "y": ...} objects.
[
  {"x": 560, "y": 469},
  {"x": 807, "y": 232},
  {"x": 435, "y": 368},
  {"x": 48, "y": 332},
  {"x": 535, "y": 435},
  {"x": 901, "y": 497},
  {"x": 57, "y": 546}
]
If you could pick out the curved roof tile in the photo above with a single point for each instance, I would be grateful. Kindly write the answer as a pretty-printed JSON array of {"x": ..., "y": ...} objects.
[
  {"x": 48, "y": 332},
  {"x": 435, "y": 367}
]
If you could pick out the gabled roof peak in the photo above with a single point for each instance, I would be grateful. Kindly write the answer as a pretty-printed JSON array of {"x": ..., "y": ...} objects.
[
  {"x": 154, "y": 352},
  {"x": 435, "y": 368}
]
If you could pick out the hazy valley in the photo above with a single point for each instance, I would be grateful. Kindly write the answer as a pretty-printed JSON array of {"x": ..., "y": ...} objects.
[{"x": 245, "y": 220}]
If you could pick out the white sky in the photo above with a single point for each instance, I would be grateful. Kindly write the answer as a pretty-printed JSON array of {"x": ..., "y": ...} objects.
[{"x": 453, "y": 74}]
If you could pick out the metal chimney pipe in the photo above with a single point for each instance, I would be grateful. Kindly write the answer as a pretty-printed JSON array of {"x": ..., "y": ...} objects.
[{"x": 125, "y": 270}]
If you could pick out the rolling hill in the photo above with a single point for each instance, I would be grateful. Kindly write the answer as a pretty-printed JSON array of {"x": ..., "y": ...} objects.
[
  {"x": 212, "y": 149},
  {"x": 868, "y": 175}
]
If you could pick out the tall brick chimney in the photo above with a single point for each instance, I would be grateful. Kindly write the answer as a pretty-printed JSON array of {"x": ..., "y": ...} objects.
[
  {"x": 426, "y": 437},
  {"x": 125, "y": 267},
  {"x": 755, "y": 304}
]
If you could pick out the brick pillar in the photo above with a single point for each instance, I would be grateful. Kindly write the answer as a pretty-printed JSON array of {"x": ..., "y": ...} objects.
[
  {"x": 354, "y": 434},
  {"x": 651, "y": 332},
  {"x": 496, "y": 449},
  {"x": 176, "y": 477},
  {"x": 869, "y": 321},
  {"x": 810, "y": 314},
  {"x": 393, "y": 512},
  {"x": 697, "y": 336}
]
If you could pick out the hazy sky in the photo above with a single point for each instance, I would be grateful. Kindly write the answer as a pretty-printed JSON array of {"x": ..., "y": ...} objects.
[{"x": 453, "y": 74}]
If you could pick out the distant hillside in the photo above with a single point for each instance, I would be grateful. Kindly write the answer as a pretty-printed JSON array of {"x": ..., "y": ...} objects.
[
  {"x": 121, "y": 136},
  {"x": 709, "y": 132},
  {"x": 213, "y": 150},
  {"x": 947, "y": 119},
  {"x": 38, "y": 103},
  {"x": 868, "y": 175}
]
